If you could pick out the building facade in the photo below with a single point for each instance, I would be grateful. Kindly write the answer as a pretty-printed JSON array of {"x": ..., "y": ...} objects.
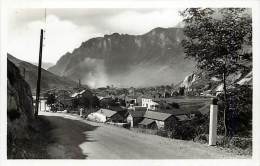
[{"x": 149, "y": 104}]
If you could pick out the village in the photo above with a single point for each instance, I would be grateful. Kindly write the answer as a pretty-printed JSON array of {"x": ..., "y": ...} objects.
[
  {"x": 154, "y": 110},
  {"x": 170, "y": 92}
]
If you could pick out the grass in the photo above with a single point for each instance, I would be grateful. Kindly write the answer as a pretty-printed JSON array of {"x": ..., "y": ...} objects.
[
  {"x": 189, "y": 104},
  {"x": 34, "y": 147}
]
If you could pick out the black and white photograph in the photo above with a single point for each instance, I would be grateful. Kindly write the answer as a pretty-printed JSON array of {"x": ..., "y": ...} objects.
[{"x": 138, "y": 83}]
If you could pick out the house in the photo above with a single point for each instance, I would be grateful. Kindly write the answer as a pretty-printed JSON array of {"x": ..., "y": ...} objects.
[
  {"x": 135, "y": 116},
  {"x": 148, "y": 124},
  {"x": 106, "y": 115},
  {"x": 137, "y": 108},
  {"x": 149, "y": 103},
  {"x": 179, "y": 114},
  {"x": 42, "y": 103},
  {"x": 163, "y": 120},
  {"x": 130, "y": 101},
  {"x": 86, "y": 99},
  {"x": 80, "y": 94},
  {"x": 122, "y": 111}
]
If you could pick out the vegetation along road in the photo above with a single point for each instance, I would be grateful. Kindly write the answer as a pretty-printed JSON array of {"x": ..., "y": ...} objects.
[{"x": 76, "y": 138}]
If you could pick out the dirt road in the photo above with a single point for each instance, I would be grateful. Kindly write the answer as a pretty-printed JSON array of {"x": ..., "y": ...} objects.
[{"x": 76, "y": 138}]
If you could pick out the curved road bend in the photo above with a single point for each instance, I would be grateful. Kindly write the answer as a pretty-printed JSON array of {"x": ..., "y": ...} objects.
[{"x": 75, "y": 138}]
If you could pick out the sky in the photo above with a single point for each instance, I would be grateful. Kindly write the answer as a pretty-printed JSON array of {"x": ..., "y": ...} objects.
[{"x": 66, "y": 29}]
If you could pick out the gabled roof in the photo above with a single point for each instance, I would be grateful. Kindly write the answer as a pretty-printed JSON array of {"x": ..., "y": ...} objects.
[
  {"x": 136, "y": 114},
  {"x": 182, "y": 117},
  {"x": 146, "y": 122},
  {"x": 157, "y": 115},
  {"x": 78, "y": 93},
  {"x": 108, "y": 113}
]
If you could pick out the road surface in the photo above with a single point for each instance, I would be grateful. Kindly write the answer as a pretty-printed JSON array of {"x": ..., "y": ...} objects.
[{"x": 76, "y": 138}]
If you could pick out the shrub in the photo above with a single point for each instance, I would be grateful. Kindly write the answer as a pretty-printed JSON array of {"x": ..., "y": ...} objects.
[
  {"x": 242, "y": 143},
  {"x": 239, "y": 116},
  {"x": 188, "y": 130},
  {"x": 202, "y": 138},
  {"x": 175, "y": 105}
]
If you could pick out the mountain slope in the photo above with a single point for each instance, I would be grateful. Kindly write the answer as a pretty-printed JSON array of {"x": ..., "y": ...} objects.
[
  {"x": 198, "y": 81},
  {"x": 45, "y": 65},
  {"x": 125, "y": 60},
  {"x": 48, "y": 81}
]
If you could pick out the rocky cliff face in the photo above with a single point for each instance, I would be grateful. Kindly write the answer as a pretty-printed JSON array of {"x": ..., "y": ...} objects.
[
  {"x": 128, "y": 60},
  {"x": 199, "y": 81},
  {"x": 19, "y": 104}
]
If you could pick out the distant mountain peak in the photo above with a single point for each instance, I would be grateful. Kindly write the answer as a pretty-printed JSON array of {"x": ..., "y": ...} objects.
[{"x": 122, "y": 59}]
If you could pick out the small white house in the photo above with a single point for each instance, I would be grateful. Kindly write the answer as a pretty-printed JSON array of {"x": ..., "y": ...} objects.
[
  {"x": 149, "y": 103},
  {"x": 97, "y": 117},
  {"x": 105, "y": 115},
  {"x": 42, "y": 104}
]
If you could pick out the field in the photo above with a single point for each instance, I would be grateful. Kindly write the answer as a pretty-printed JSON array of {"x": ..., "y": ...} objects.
[{"x": 197, "y": 103}]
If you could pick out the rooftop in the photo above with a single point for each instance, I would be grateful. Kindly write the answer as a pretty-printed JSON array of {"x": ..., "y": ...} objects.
[
  {"x": 182, "y": 117},
  {"x": 106, "y": 112},
  {"x": 157, "y": 115},
  {"x": 136, "y": 114},
  {"x": 146, "y": 122},
  {"x": 78, "y": 93}
]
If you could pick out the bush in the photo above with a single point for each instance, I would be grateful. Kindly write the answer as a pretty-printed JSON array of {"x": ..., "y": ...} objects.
[
  {"x": 188, "y": 130},
  {"x": 242, "y": 143},
  {"x": 202, "y": 138},
  {"x": 239, "y": 115},
  {"x": 184, "y": 131},
  {"x": 175, "y": 105}
]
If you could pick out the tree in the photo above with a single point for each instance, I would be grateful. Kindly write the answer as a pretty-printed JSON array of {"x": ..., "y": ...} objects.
[
  {"x": 51, "y": 99},
  {"x": 88, "y": 101},
  {"x": 216, "y": 39}
]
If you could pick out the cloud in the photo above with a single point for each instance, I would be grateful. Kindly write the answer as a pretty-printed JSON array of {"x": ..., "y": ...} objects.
[
  {"x": 61, "y": 36},
  {"x": 67, "y": 28},
  {"x": 134, "y": 22}
]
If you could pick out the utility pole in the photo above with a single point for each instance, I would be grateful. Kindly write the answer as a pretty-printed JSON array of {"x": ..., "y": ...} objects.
[{"x": 39, "y": 76}]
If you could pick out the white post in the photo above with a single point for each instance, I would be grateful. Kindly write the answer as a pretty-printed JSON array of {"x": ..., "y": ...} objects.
[
  {"x": 213, "y": 123},
  {"x": 80, "y": 112}
]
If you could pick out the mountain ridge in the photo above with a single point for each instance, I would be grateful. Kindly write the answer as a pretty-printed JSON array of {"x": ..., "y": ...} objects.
[
  {"x": 105, "y": 60},
  {"x": 48, "y": 80}
]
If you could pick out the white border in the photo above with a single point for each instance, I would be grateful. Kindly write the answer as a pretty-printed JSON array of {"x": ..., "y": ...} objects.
[{"x": 254, "y": 4}]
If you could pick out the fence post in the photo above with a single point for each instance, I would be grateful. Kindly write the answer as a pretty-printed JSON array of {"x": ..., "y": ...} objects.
[{"x": 213, "y": 122}]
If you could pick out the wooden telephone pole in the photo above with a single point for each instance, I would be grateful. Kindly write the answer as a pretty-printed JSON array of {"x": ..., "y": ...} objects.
[{"x": 39, "y": 76}]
